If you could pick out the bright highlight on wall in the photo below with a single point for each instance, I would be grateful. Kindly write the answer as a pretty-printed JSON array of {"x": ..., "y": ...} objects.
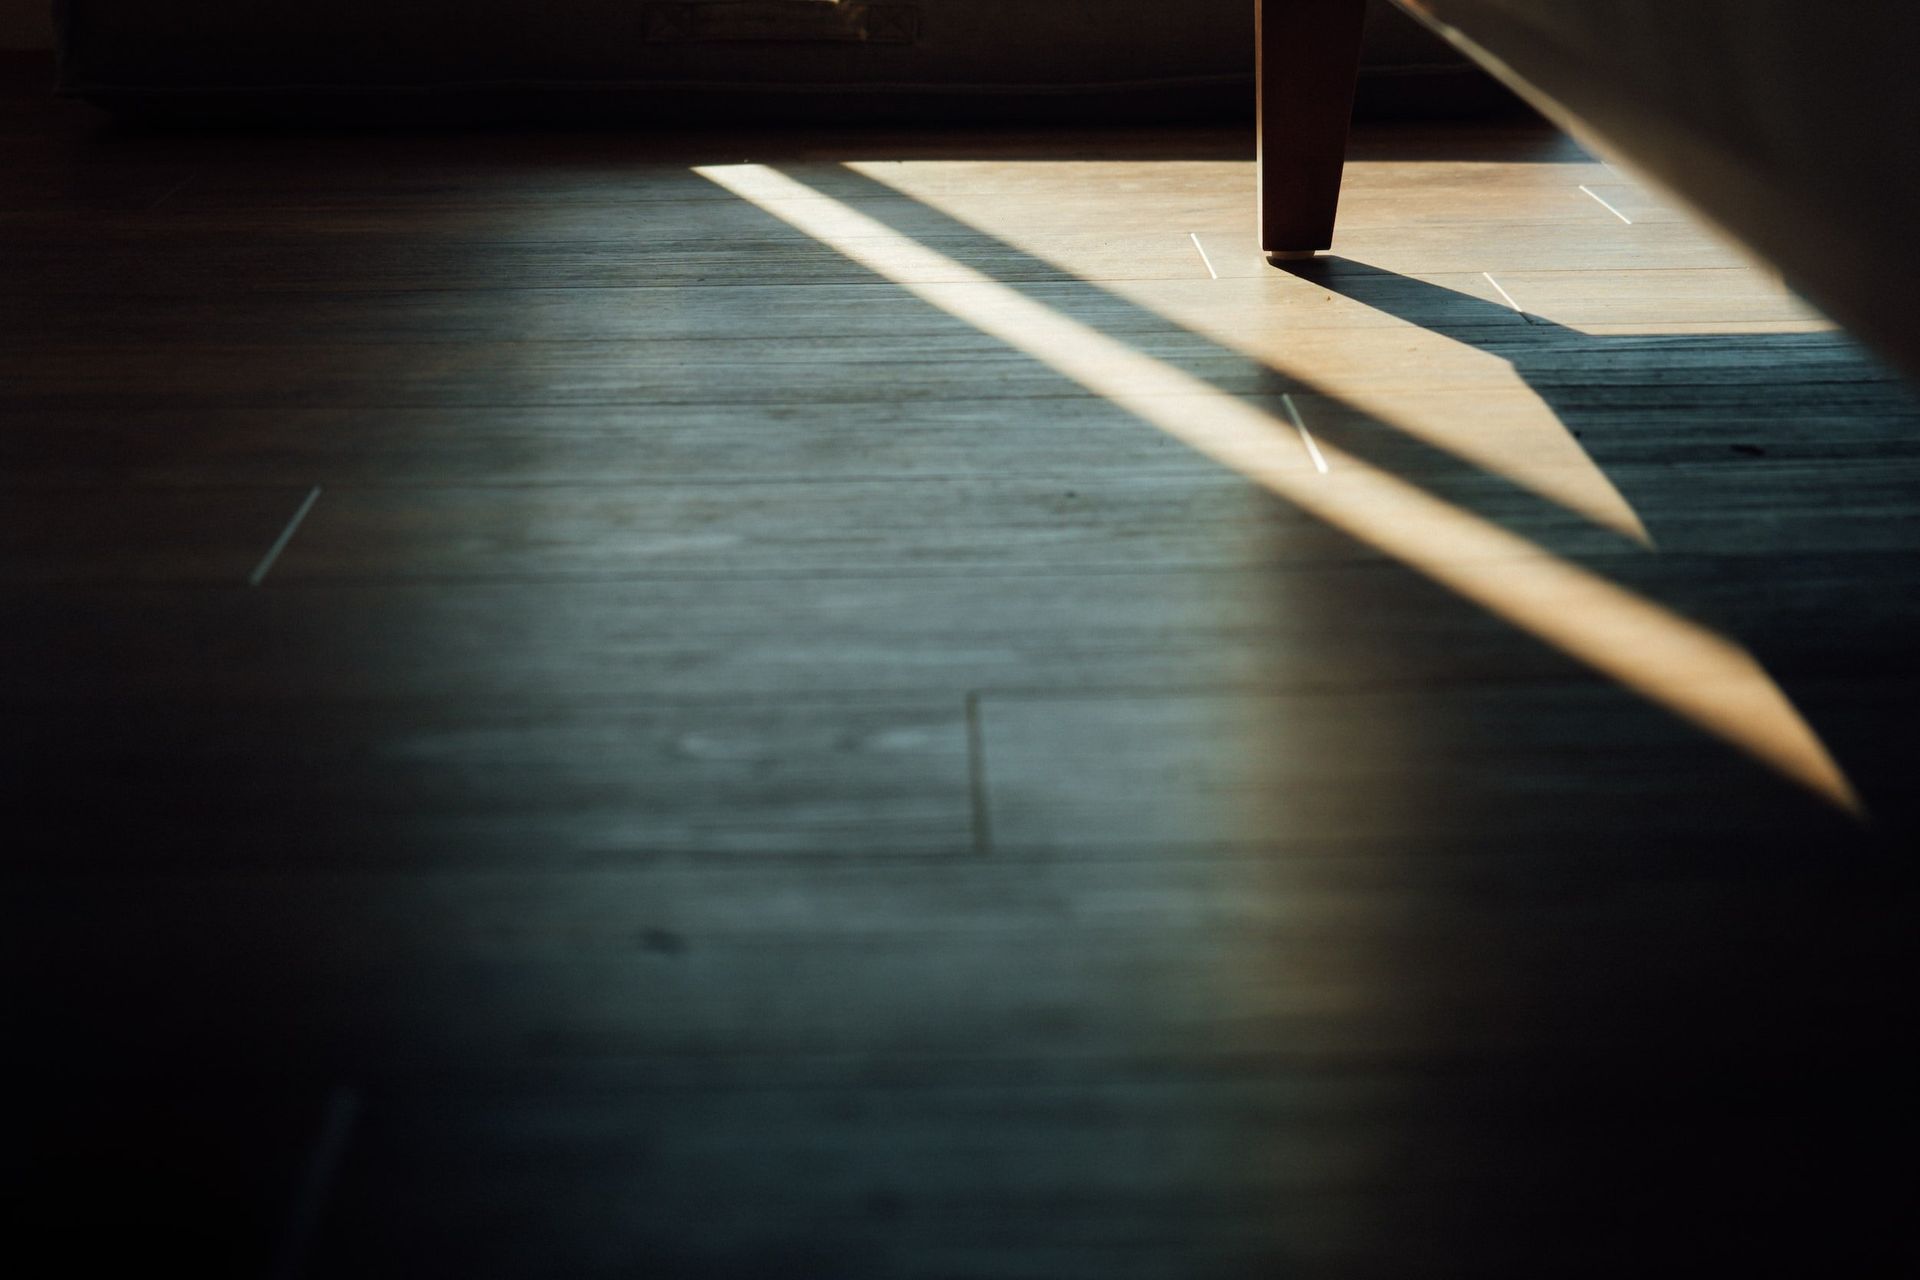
[{"x": 1692, "y": 671}]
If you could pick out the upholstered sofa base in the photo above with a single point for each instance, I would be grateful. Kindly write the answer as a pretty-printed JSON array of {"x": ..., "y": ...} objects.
[{"x": 640, "y": 61}]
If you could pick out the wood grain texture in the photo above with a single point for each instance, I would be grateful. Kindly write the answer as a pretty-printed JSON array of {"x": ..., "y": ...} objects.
[
  {"x": 743, "y": 773},
  {"x": 760, "y": 636},
  {"x": 951, "y": 365},
  {"x": 547, "y": 782}
]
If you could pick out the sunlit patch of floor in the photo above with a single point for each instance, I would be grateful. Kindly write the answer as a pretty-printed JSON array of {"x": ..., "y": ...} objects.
[{"x": 1705, "y": 678}]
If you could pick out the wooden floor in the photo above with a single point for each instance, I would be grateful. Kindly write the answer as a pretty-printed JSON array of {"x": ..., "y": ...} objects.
[{"x": 592, "y": 705}]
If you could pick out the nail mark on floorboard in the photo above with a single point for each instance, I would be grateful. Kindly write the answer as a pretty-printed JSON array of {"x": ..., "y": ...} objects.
[
  {"x": 977, "y": 779},
  {"x": 1502, "y": 291},
  {"x": 1195, "y": 237},
  {"x": 172, "y": 191},
  {"x": 1306, "y": 436},
  {"x": 1604, "y": 205},
  {"x": 259, "y": 574},
  {"x": 316, "y": 1182}
]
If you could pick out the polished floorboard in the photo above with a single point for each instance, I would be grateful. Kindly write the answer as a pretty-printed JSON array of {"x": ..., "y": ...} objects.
[{"x": 879, "y": 704}]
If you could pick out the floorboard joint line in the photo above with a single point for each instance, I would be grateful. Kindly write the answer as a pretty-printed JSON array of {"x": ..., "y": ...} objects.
[
  {"x": 322, "y": 1168},
  {"x": 259, "y": 574},
  {"x": 1195, "y": 236},
  {"x": 1604, "y": 205}
]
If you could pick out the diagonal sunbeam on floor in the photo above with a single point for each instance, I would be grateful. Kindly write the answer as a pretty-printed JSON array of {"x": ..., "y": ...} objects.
[
  {"x": 1549, "y": 462},
  {"x": 1694, "y": 672}
]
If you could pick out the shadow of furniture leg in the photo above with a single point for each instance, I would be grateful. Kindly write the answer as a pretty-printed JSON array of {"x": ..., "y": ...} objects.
[{"x": 1309, "y": 53}]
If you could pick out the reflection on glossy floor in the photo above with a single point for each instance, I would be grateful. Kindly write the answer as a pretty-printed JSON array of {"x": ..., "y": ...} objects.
[{"x": 902, "y": 705}]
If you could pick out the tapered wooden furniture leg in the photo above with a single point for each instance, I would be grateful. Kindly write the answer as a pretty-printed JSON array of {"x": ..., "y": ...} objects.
[{"x": 1309, "y": 63}]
